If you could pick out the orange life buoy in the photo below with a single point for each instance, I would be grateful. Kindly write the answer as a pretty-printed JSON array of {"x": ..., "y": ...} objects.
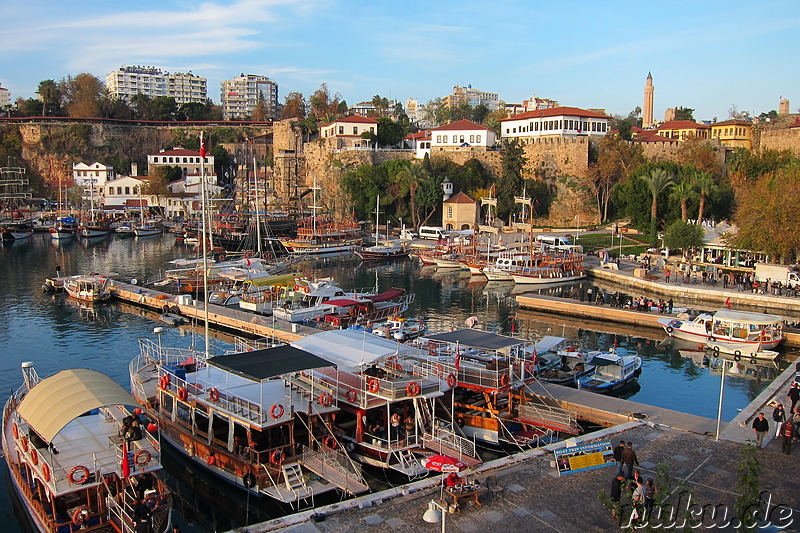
[
  {"x": 80, "y": 516},
  {"x": 222, "y": 257},
  {"x": 276, "y": 411},
  {"x": 34, "y": 456},
  {"x": 529, "y": 366},
  {"x": 164, "y": 382},
  {"x": 46, "y": 473},
  {"x": 142, "y": 457},
  {"x": 213, "y": 395},
  {"x": 212, "y": 460},
  {"x": 451, "y": 380},
  {"x": 438, "y": 369},
  {"x": 329, "y": 442},
  {"x": 15, "y": 430},
  {"x": 504, "y": 381},
  {"x": 24, "y": 442},
  {"x": 413, "y": 388},
  {"x": 373, "y": 385},
  {"x": 183, "y": 394},
  {"x": 352, "y": 396},
  {"x": 431, "y": 348},
  {"x": 78, "y": 475},
  {"x": 269, "y": 256},
  {"x": 276, "y": 457},
  {"x": 326, "y": 399}
]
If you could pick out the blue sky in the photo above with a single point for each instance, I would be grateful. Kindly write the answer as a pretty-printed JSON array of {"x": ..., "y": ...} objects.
[{"x": 708, "y": 55}]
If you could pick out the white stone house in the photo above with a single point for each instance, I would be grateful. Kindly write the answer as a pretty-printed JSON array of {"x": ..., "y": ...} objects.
[
  {"x": 189, "y": 161},
  {"x": 348, "y": 130},
  {"x": 93, "y": 179},
  {"x": 462, "y": 135},
  {"x": 562, "y": 122}
]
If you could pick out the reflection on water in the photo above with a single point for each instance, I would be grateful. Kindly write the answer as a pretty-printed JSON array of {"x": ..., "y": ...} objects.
[{"x": 56, "y": 333}]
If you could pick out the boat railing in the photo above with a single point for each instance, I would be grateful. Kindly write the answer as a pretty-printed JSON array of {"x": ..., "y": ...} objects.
[
  {"x": 333, "y": 459},
  {"x": 474, "y": 374},
  {"x": 548, "y": 416},
  {"x": 394, "y": 389},
  {"x": 444, "y": 440},
  {"x": 431, "y": 369}
]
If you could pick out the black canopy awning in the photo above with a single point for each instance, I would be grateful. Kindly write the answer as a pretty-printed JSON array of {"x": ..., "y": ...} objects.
[
  {"x": 259, "y": 365},
  {"x": 474, "y": 338}
]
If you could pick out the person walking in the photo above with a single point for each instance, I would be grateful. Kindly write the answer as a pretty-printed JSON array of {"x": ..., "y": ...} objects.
[
  {"x": 629, "y": 459},
  {"x": 760, "y": 426},
  {"x": 650, "y": 497},
  {"x": 779, "y": 416},
  {"x": 794, "y": 395},
  {"x": 618, "y": 456},
  {"x": 787, "y": 432},
  {"x": 666, "y": 275}
]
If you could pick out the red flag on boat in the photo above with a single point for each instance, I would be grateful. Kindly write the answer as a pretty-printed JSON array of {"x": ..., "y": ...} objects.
[
  {"x": 125, "y": 466},
  {"x": 728, "y": 302}
]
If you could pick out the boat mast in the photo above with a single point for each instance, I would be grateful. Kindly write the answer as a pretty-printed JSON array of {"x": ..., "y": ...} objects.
[
  {"x": 258, "y": 201},
  {"x": 377, "y": 218},
  {"x": 204, "y": 234}
]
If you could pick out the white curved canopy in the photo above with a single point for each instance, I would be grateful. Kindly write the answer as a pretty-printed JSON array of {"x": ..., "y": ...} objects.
[{"x": 58, "y": 400}]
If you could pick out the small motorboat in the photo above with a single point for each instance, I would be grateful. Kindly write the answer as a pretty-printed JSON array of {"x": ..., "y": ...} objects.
[{"x": 612, "y": 371}]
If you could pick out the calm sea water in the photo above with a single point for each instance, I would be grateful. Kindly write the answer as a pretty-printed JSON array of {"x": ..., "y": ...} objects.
[{"x": 57, "y": 333}]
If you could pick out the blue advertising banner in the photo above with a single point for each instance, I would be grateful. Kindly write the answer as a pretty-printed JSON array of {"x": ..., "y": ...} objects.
[{"x": 585, "y": 457}]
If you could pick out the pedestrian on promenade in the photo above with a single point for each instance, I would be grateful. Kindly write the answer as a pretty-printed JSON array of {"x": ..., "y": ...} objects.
[
  {"x": 787, "y": 432},
  {"x": 725, "y": 280},
  {"x": 760, "y": 426},
  {"x": 794, "y": 395},
  {"x": 669, "y": 306},
  {"x": 779, "y": 416},
  {"x": 618, "y": 456},
  {"x": 650, "y": 498},
  {"x": 666, "y": 275},
  {"x": 629, "y": 459},
  {"x": 616, "y": 494},
  {"x": 58, "y": 271}
]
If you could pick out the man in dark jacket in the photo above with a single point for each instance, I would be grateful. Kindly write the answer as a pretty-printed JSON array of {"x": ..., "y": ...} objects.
[
  {"x": 618, "y": 456},
  {"x": 794, "y": 395},
  {"x": 787, "y": 432},
  {"x": 616, "y": 494},
  {"x": 760, "y": 426},
  {"x": 629, "y": 459}
]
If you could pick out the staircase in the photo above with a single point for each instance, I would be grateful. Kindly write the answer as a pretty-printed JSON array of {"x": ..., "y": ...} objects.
[
  {"x": 294, "y": 480},
  {"x": 335, "y": 467}
]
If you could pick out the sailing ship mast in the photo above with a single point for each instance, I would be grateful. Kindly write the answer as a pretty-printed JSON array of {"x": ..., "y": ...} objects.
[
  {"x": 205, "y": 237},
  {"x": 258, "y": 203}
]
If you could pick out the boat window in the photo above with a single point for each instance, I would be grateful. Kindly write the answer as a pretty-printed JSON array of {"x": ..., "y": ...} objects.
[
  {"x": 182, "y": 414},
  {"x": 200, "y": 423},
  {"x": 167, "y": 403},
  {"x": 220, "y": 428},
  {"x": 270, "y": 438}
]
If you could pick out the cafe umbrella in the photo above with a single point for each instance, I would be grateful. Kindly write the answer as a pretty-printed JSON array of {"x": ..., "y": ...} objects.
[{"x": 444, "y": 464}]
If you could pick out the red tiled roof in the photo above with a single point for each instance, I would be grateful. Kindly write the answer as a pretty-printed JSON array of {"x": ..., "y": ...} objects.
[
  {"x": 353, "y": 119},
  {"x": 461, "y": 125},
  {"x": 652, "y": 138},
  {"x": 459, "y": 198},
  {"x": 796, "y": 123},
  {"x": 419, "y": 136},
  {"x": 136, "y": 203},
  {"x": 681, "y": 125},
  {"x": 556, "y": 112}
]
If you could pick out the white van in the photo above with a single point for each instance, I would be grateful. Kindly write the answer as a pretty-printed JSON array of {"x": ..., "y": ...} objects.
[
  {"x": 432, "y": 232},
  {"x": 557, "y": 243}
]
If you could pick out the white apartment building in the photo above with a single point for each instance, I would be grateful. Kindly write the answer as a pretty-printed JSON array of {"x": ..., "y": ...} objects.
[
  {"x": 93, "y": 179},
  {"x": 128, "y": 81},
  {"x": 416, "y": 113},
  {"x": 462, "y": 135},
  {"x": 240, "y": 95},
  {"x": 563, "y": 122},
  {"x": 5, "y": 98},
  {"x": 473, "y": 97},
  {"x": 189, "y": 161}
]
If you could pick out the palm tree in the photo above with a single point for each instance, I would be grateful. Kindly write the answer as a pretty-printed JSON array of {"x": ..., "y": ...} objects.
[
  {"x": 657, "y": 181},
  {"x": 705, "y": 186},
  {"x": 410, "y": 178},
  {"x": 683, "y": 191},
  {"x": 49, "y": 92}
]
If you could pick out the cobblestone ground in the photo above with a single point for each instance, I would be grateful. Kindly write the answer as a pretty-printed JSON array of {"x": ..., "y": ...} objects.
[{"x": 536, "y": 499}]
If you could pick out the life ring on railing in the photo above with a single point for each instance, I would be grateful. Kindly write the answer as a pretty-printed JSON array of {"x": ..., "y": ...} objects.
[
  {"x": 212, "y": 460},
  {"x": 78, "y": 475},
  {"x": 277, "y": 457},
  {"x": 15, "y": 430},
  {"x": 80, "y": 516},
  {"x": 46, "y": 473},
  {"x": 34, "y": 456},
  {"x": 276, "y": 411},
  {"x": 163, "y": 382},
  {"x": 142, "y": 457},
  {"x": 329, "y": 442},
  {"x": 269, "y": 256},
  {"x": 529, "y": 367},
  {"x": 213, "y": 395},
  {"x": 504, "y": 380},
  {"x": 451, "y": 380},
  {"x": 183, "y": 394},
  {"x": 24, "y": 442},
  {"x": 392, "y": 363},
  {"x": 437, "y": 368},
  {"x": 326, "y": 399},
  {"x": 373, "y": 385},
  {"x": 432, "y": 348},
  {"x": 413, "y": 388},
  {"x": 221, "y": 257},
  {"x": 352, "y": 396}
]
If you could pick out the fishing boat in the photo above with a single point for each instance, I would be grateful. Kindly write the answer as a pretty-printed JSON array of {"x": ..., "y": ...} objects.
[
  {"x": 743, "y": 331},
  {"x": 92, "y": 288},
  {"x": 251, "y": 417},
  {"x": 94, "y": 227},
  {"x": 64, "y": 228},
  {"x": 387, "y": 396},
  {"x": 536, "y": 268},
  {"x": 16, "y": 230},
  {"x": 397, "y": 328},
  {"x": 344, "y": 312},
  {"x": 313, "y": 295},
  {"x": 492, "y": 373},
  {"x": 739, "y": 352},
  {"x": 69, "y": 463},
  {"x": 612, "y": 371},
  {"x": 148, "y": 228},
  {"x": 383, "y": 249},
  {"x": 572, "y": 365}
]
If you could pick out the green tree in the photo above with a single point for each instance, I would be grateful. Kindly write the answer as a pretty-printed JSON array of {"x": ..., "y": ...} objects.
[
  {"x": 158, "y": 186},
  {"x": 510, "y": 182},
  {"x": 705, "y": 186},
  {"x": 140, "y": 104},
  {"x": 683, "y": 191},
  {"x": 50, "y": 94},
  {"x": 479, "y": 114},
  {"x": 162, "y": 108},
  {"x": 657, "y": 182},
  {"x": 381, "y": 105},
  {"x": 437, "y": 112},
  {"x": 701, "y": 155},
  {"x": 747, "y": 486},
  {"x": 684, "y": 113},
  {"x": 683, "y": 235},
  {"x": 390, "y": 133},
  {"x": 323, "y": 103},
  {"x": 193, "y": 111},
  {"x": 410, "y": 179},
  {"x": 616, "y": 158},
  {"x": 261, "y": 111}
]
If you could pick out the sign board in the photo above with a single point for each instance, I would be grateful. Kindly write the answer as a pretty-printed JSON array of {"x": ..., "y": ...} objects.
[{"x": 587, "y": 457}]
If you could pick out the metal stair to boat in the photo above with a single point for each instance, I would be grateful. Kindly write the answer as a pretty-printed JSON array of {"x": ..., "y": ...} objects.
[
  {"x": 335, "y": 467},
  {"x": 408, "y": 461},
  {"x": 294, "y": 480}
]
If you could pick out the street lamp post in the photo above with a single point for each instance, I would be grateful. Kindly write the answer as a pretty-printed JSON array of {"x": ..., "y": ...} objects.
[{"x": 435, "y": 513}]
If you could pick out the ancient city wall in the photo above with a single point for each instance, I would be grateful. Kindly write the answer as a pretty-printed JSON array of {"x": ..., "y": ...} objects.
[
  {"x": 785, "y": 139},
  {"x": 661, "y": 151},
  {"x": 553, "y": 156}
]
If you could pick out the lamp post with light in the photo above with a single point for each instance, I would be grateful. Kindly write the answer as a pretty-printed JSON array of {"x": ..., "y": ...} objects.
[{"x": 435, "y": 513}]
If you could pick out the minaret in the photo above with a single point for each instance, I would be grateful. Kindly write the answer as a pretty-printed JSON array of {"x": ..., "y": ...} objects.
[{"x": 647, "y": 109}]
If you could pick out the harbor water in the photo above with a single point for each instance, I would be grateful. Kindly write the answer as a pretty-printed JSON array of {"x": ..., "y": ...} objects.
[{"x": 55, "y": 333}]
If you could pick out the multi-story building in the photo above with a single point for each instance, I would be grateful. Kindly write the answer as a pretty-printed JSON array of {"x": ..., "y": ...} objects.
[
  {"x": 128, "y": 81},
  {"x": 92, "y": 178},
  {"x": 462, "y": 135},
  {"x": 734, "y": 133},
  {"x": 473, "y": 97},
  {"x": 683, "y": 129},
  {"x": 188, "y": 161},
  {"x": 348, "y": 131},
  {"x": 5, "y": 98},
  {"x": 240, "y": 96},
  {"x": 564, "y": 122}
]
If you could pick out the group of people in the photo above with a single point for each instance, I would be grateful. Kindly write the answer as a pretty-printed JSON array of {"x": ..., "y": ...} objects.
[
  {"x": 787, "y": 424},
  {"x": 131, "y": 429},
  {"x": 400, "y": 428},
  {"x": 643, "y": 491}
]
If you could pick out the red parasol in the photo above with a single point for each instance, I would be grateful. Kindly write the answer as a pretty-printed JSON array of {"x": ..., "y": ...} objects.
[{"x": 443, "y": 463}]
